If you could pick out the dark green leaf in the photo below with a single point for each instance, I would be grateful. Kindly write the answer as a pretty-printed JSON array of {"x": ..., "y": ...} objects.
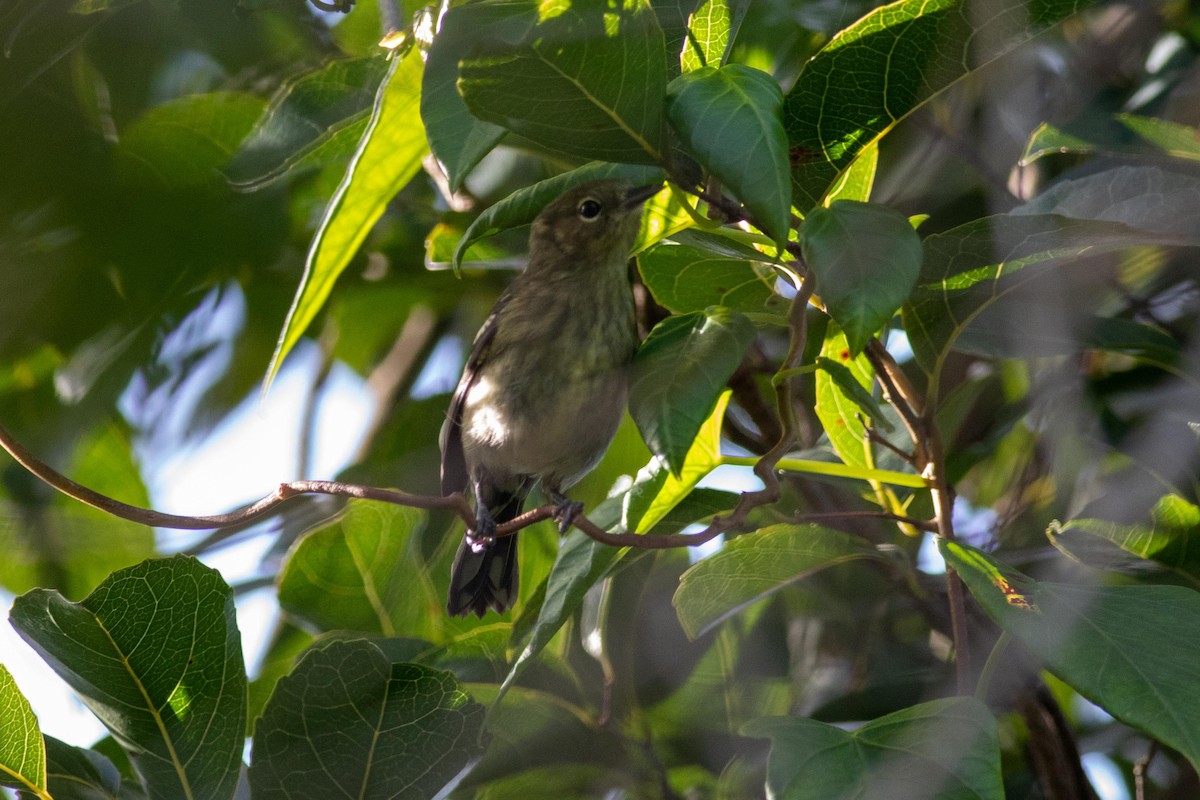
[
  {"x": 323, "y": 111},
  {"x": 754, "y": 566},
  {"x": 363, "y": 572},
  {"x": 78, "y": 774},
  {"x": 893, "y": 60},
  {"x": 186, "y": 142},
  {"x": 866, "y": 259},
  {"x": 155, "y": 653},
  {"x": 1129, "y": 649},
  {"x": 945, "y": 749},
  {"x": 729, "y": 119},
  {"x": 457, "y": 138},
  {"x": 685, "y": 279},
  {"x": 22, "y": 752},
  {"x": 523, "y": 205},
  {"x": 587, "y": 80},
  {"x": 349, "y": 723},
  {"x": 388, "y": 156},
  {"x": 679, "y": 372}
]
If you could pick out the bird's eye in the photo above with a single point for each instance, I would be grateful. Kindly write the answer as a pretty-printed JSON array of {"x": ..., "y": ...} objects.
[{"x": 589, "y": 210}]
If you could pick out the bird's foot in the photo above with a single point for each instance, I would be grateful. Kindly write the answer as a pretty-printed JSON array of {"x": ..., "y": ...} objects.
[
  {"x": 484, "y": 533},
  {"x": 565, "y": 510}
]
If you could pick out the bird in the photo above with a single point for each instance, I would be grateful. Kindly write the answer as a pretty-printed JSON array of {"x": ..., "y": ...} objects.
[{"x": 545, "y": 384}]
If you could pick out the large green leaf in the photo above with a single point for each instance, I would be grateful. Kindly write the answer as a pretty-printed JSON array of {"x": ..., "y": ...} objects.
[
  {"x": 458, "y": 139},
  {"x": 523, "y": 205},
  {"x": 729, "y": 119},
  {"x": 363, "y": 572},
  {"x": 155, "y": 653},
  {"x": 866, "y": 259},
  {"x": 754, "y": 566},
  {"x": 388, "y": 156},
  {"x": 685, "y": 279},
  {"x": 941, "y": 750},
  {"x": 1130, "y": 649},
  {"x": 1168, "y": 538},
  {"x": 309, "y": 118},
  {"x": 587, "y": 79},
  {"x": 22, "y": 752},
  {"x": 890, "y": 62},
  {"x": 350, "y": 723},
  {"x": 679, "y": 372}
]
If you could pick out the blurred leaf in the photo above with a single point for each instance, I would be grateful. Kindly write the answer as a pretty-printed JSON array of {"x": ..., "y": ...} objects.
[
  {"x": 970, "y": 267},
  {"x": 755, "y": 565},
  {"x": 310, "y": 117},
  {"x": 363, "y": 572},
  {"x": 22, "y": 752},
  {"x": 1167, "y": 539},
  {"x": 709, "y": 34},
  {"x": 729, "y": 119},
  {"x": 78, "y": 774},
  {"x": 92, "y": 6},
  {"x": 684, "y": 279},
  {"x": 841, "y": 382},
  {"x": 348, "y": 722},
  {"x": 155, "y": 653},
  {"x": 186, "y": 142},
  {"x": 1162, "y": 136},
  {"x": 945, "y": 749},
  {"x": 866, "y": 259},
  {"x": 586, "y": 79},
  {"x": 458, "y": 139},
  {"x": 522, "y": 206},
  {"x": 532, "y": 730},
  {"x": 388, "y": 156},
  {"x": 679, "y": 372},
  {"x": 885, "y": 65},
  {"x": 1129, "y": 649}
]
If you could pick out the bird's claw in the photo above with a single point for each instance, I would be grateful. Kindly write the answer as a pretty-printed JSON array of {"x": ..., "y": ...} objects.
[
  {"x": 483, "y": 535},
  {"x": 566, "y": 511}
]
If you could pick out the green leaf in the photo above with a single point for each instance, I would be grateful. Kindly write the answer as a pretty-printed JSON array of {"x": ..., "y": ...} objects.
[
  {"x": 678, "y": 374},
  {"x": 843, "y": 399},
  {"x": 363, "y": 572},
  {"x": 729, "y": 119},
  {"x": 663, "y": 215},
  {"x": 349, "y": 723},
  {"x": 685, "y": 279},
  {"x": 22, "y": 753},
  {"x": 856, "y": 181},
  {"x": 708, "y": 36},
  {"x": 74, "y": 773},
  {"x": 1168, "y": 538},
  {"x": 458, "y": 139},
  {"x": 186, "y": 142},
  {"x": 754, "y": 566},
  {"x": 1180, "y": 141},
  {"x": 866, "y": 259},
  {"x": 309, "y": 117},
  {"x": 155, "y": 653},
  {"x": 945, "y": 749},
  {"x": 586, "y": 80},
  {"x": 523, "y": 205},
  {"x": 1163, "y": 137},
  {"x": 388, "y": 156},
  {"x": 1129, "y": 649},
  {"x": 890, "y": 62}
]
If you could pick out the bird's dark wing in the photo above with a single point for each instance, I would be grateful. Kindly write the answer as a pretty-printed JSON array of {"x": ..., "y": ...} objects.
[{"x": 454, "y": 463}]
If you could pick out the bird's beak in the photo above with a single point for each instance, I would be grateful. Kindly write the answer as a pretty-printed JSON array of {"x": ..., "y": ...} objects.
[{"x": 640, "y": 194}]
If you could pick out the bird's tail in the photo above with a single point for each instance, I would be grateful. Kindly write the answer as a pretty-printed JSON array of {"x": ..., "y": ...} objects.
[{"x": 487, "y": 578}]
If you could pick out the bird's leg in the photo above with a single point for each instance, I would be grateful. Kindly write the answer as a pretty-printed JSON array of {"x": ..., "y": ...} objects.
[
  {"x": 565, "y": 509},
  {"x": 485, "y": 524}
]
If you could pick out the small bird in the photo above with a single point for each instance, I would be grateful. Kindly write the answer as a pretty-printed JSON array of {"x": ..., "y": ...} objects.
[{"x": 545, "y": 385}]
